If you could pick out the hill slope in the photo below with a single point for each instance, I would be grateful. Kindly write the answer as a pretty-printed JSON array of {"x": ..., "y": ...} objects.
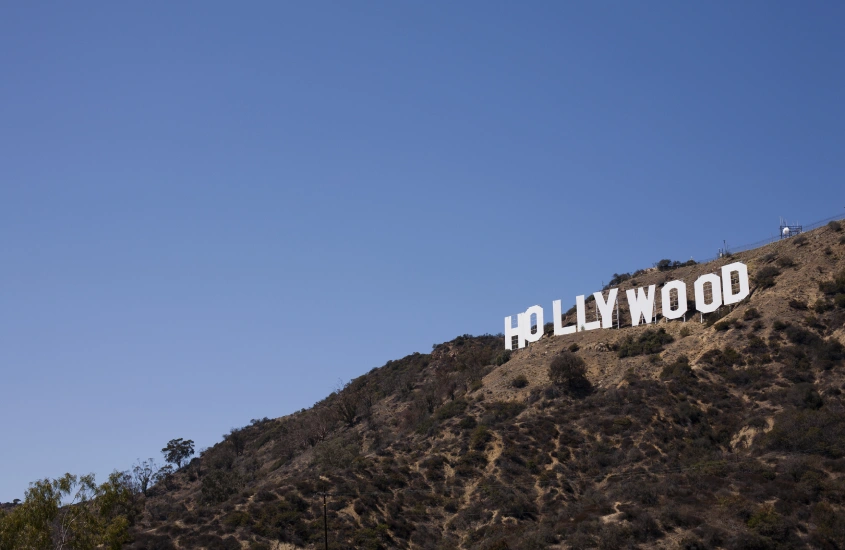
[{"x": 723, "y": 433}]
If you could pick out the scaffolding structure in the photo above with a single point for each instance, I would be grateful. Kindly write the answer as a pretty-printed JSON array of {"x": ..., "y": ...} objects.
[{"x": 787, "y": 230}]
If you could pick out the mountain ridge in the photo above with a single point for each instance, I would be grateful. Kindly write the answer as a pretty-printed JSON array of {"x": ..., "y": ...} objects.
[
  {"x": 724, "y": 430},
  {"x": 474, "y": 447}
]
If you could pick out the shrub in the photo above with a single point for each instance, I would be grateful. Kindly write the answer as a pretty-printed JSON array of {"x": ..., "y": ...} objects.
[
  {"x": 834, "y": 226},
  {"x": 721, "y": 359},
  {"x": 519, "y": 381},
  {"x": 804, "y": 396},
  {"x": 820, "y": 431},
  {"x": 450, "y": 409},
  {"x": 779, "y": 325},
  {"x": 786, "y": 261},
  {"x": 667, "y": 265},
  {"x": 722, "y": 326},
  {"x": 469, "y": 463},
  {"x": 799, "y": 241},
  {"x": 503, "y": 357},
  {"x": 218, "y": 485},
  {"x": 480, "y": 437},
  {"x": 798, "y": 304},
  {"x": 500, "y": 411},
  {"x": 834, "y": 286},
  {"x": 568, "y": 370},
  {"x": 335, "y": 453},
  {"x": 717, "y": 315},
  {"x": 680, "y": 369},
  {"x": 822, "y": 305},
  {"x": 618, "y": 279},
  {"x": 765, "y": 276},
  {"x": 830, "y": 525},
  {"x": 574, "y": 347},
  {"x": 685, "y": 331},
  {"x": 467, "y": 423},
  {"x": 768, "y": 523},
  {"x": 265, "y": 496},
  {"x": 650, "y": 341},
  {"x": 751, "y": 314}
]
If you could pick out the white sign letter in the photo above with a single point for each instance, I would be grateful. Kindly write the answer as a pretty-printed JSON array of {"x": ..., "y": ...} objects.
[
  {"x": 560, "y": 330},
  {"x": 727, "y": 286},
  {"x": 538, "y": 311},
  {"x": 606, "y": 308},
  {"x": 582, "y": 316},
  {"x": 511, "y": 331},
  {"x": 666, "y": 298},
  {"x": 716, "y": 285},
  {"x": 641, "y": 304}
]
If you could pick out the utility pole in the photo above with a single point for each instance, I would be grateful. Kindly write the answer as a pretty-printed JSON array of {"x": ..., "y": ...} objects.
[{"x": 325, "y": 523}]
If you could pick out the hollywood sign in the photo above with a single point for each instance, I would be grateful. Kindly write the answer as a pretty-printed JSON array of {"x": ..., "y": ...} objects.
[{"x": 730, "y": 288}]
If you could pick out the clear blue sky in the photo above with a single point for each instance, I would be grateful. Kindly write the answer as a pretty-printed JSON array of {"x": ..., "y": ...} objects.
[{"x": 212, "y": 211}]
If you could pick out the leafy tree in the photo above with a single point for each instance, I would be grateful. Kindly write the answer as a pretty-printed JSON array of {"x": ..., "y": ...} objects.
[
  {"x": 350, "y": 399},
  {"x": 238, "y": 440},
  {"x": 93, "y": 516},
  {"x": 165, "y": 476},
  {"x": 144, "y": 474},
  {"x": 569, "y": 370},
  {"x": 177, "y": 450}
]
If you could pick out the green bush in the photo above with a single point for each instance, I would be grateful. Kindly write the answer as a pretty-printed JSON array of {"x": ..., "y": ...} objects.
[
  {"x": 218, "y": 486},
  {"x": 480, "y": 437},
  {"x": 751, "y": 314},
  {"x": 765, "y": 276},
  {"x": 722, "y": 358},
  {"x": 617, "y": 279},
  {"x": 786, "y": 261},
  {"x": 798, "y": 304},
  {"x": 679, "y": 370},
  {"x": 500, "y": 411},
  {"x": 819, "y": 431},
  {"x": 822, "y": 306},
  {"x": 650, "y": 341},
  {"x": 519, "y": 381},
  {"x": 667, "y": 265},
  {"x": 568, "y": 370},
  {"x": 336, "y": 454},
  {"x": 450, "y": 409},
  {"x": 503, "y": 357},
  {"x": 722, "y": 326},
  {"x": 834, "y": 286}
]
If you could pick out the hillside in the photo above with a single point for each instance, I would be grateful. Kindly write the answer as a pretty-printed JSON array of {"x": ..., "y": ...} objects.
[{"x": 727, "y": 433}]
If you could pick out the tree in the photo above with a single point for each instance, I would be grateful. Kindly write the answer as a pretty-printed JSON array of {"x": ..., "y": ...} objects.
[
  {"x": 177, "y": 451},
  {"x": 144, "y": 474},
  {"x": 165, "y": 476},
  {"x": 72, "y": 512},
  {"x": 347, "y": 398},
  {"x": 569, "y": 370},
  {"x": 238, "y": 440}
]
